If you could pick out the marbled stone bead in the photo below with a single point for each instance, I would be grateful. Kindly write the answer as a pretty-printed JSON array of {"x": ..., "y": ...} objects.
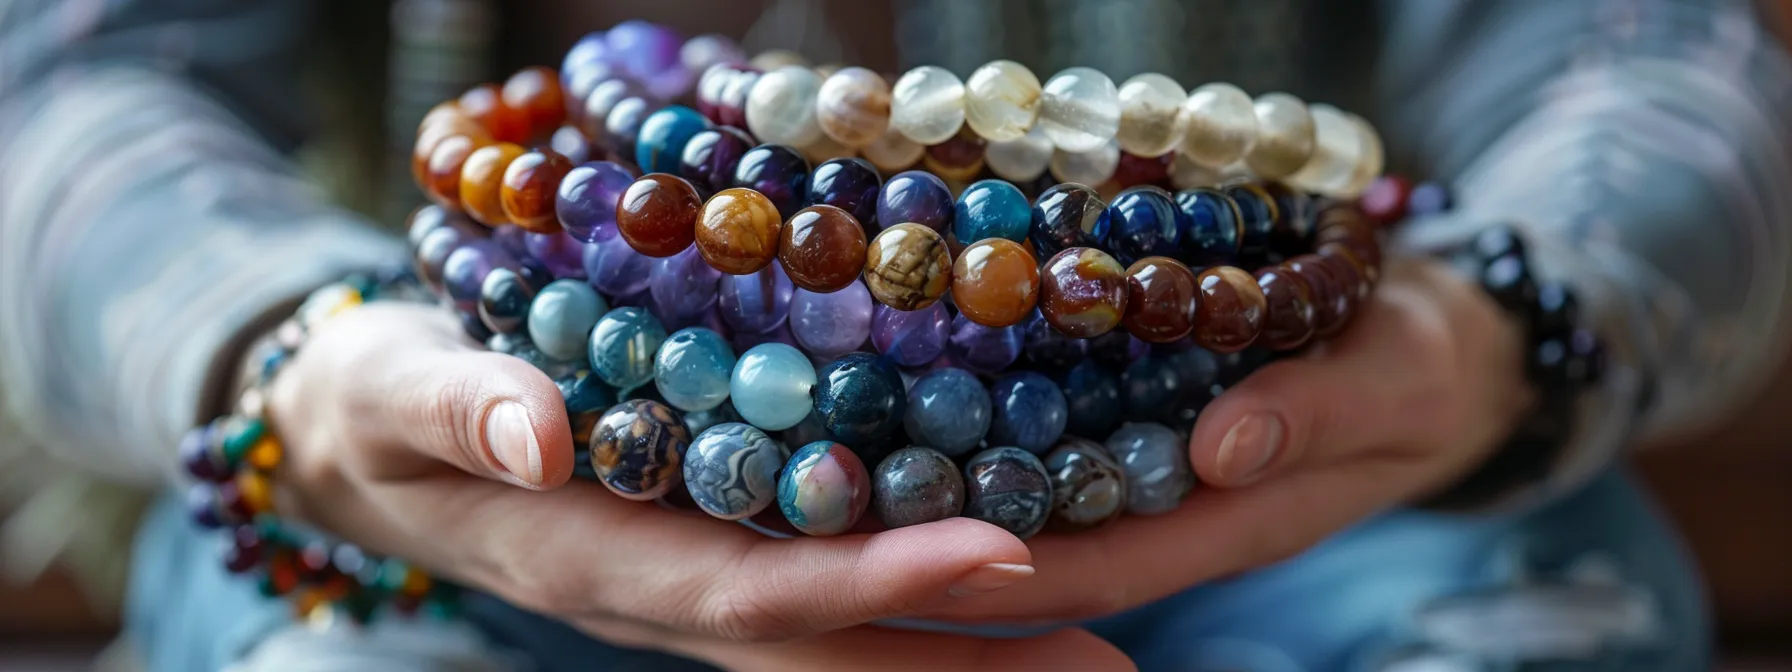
[
  {"x": 991, "y": 209},
  {"x": 526, "y": 190},
  {"x": 562, "y": 316},
  {"x": 860, "y": 398},
  {"x": 1082, "y": 292},
  {"x": 586, "y": 399},
  {"x": 853, "y": 106},
  {"x": 622, "y": 346},
  {"x": 1257, "y": 217},
  {"x": 563, "y": 256},
  {"x": 738, "y": 231},
  {"x": 927, "y": 105},
  {"x": 824, "y": 489},
  {"x": 892, "y": 152},
  {"x": 1163, "y": 299},
  {"x": 1065, "y": 216},
  {"x": 711, "y": 157},
  {"x": 1088, "y": 486},
  {"x": 1333, "y": 304},
  {"x": 983, "y": 349},
  {"x": 778, "y": 173},
  {"x": 948, "y": 410},
  {"x": 1212, "y": 227},
  {"x": 692, "y": 369},
  {"x": 1143, "y": 222},
  {"x": 683, "y": 286},
  {"x": 731, "y": 470},
  {"x": 1030, "y": 412},
  {"x": 622, "y": 128},
  {"x": 828, "y": 325},
  {"x": 504, "y": 300},
  {"x": 1008, "y": 487},
  {"x": 1155, "y": 461},
  {"x": 1150, "y": 114},
  {"x": 770, "y": 386},
  {"x": 1219, "y": 125},
  {"x": 1284, "y": 136},
  {"x": 907, "y": 267},
  {"x": 1001, "y": 100},
  {"x": 1022, "y": 159},
  {"x": 482, "y": 182},
  {"x": 757, "y": 302},
  {"x": 958, "y": 159},
  {"x": 464, "y": 270},
  {"x": 911, "y": 337},
  {"x": 1095, "y": 166},
  {"x": 1092, "y": 397},
  {"x": 995, "y": 282},
  {"x": 849, "y": 184},
  {"x": 823, "y": 248},
  {"x": 1079, "y": 108},
  {"x": 587, "y": 196},
  {"x": 916, "y": 485},
  {"x": 637, "y": 448},
  {"x": 1231, "y": 311},
  {"x": 1048, "y": 348},
  {"x": 781, "y": 107},
  {"x": 1288, "y": 302},
  {"x": 916, "y": 197},
  {"x": 658, "y": 214}
]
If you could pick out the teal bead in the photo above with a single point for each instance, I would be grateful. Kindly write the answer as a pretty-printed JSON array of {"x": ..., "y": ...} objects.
[
  {"x": 770, "y": 386},
  {"x": 824, "y": 489},
  {"x": 623, "y": 345},
  {"x": 693, "y": 368},
  {"x": 242, "y": 435},
  {"x": 561, "y": 318},
  {"x": 991, "y": 209},
  {"x": 660, "y": 146}
]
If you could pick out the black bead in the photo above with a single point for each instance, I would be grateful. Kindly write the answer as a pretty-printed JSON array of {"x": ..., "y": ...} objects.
[
  {"x": 1508, "y": 280},
  {"x": 504, "y": 300},
  {"x": 1586, "y": 357},
  {"x": 1556, "y": 312},
  {"x": 1567, "y": 363},
  {"x": 1292, "y": 233},
  {"x": 475, "y": 327}
]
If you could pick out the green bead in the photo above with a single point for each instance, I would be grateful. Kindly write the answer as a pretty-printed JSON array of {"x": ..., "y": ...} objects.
[
  {"x": 392, "y": 573},
  {"x": 244, "y": 435}
]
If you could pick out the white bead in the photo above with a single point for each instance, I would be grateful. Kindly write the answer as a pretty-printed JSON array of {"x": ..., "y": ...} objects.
[
  {"x": 1150, "y": 115},
  {"x": 1087, "y": 168},
  {"x": 1186, "y": 174},
  {"x": 767, "y": 61},
  {"x": 853, "y": 106},
  {"x": 1370, "y": 164},
  {"x": 1080, "y": 109},
  {"x": 1284, "y": 136},
  {"x": 892, "y": 152},
  {"x": 1218, "y": 125},
  {"x": 927, "y": 105},
  {"x": 1001, "y": 101},
  {"x": 1337, "y": 146},
  {"x": 781, "y": 107},
  {"x": 1020, "y": 160}
]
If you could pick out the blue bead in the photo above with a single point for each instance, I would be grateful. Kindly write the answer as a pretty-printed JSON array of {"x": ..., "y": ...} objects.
[
  {"x": 778, "y": 172},
  {"x": 1428, "y": 198},
  {"x": 660, "y": 146},
  {"x": 1142, "y": 222},
  {"x": 561, "y": 318},
  {"x": 202, "y": 506},
  {"x": 1008, "y": 487},
  {"x": 584, "y": 393},
  {"x": 984, "y": 349},
  {"x": 1257, "y": 217},
  {"x": 1092, "y": 394},
  {"x": 1065, "y": 216},
  {"x": 860, "y": 399},
  {"x": 623, "y": 345},
  {"x": 731, "y": 470},
  {"x": 692, "y": 369},
  {"x": 1155, "y": 461},
  {"x": 948, "y": 410},
  {"x": 991, "y": 209},
  {"x": 697, "y": 421},
  {"x": 916, "y": 197},
  {"x": 849, "y": 184},
  {"x": 1048, "y": 348},
  {"x": 771, "y": 385},
  {"x": 1030, "y": 412},
  {"x": 1214, "y": 229}
]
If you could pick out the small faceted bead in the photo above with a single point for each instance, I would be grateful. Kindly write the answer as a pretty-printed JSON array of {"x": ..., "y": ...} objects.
[
  {"x": 1082, "y": 292},
  {"x": 770, "y": 386},
  {"x": 948, "y": 410},
  {"x": 1150, "y": 114},
  {"x": 991, "y": 209},
  {"x": 1008, "y": 487},
  {"x": 1143, "y": 222},
  {"x": 731, "y": 470},
  {"x": 637, "y": 448},
  {"x": 1231, "y": 311},
  {"x": 504, "y": 300},
  {"x": 711, "y": 157},
  {"x": 563, "y": 256},
  {"x": 1092, "y": 395},
  {"x": 692, "y": 369},
  {"x": 1065, "y": 216},
  {"x": 781, "y": 107},
  {"x": 1030, "y": 412},
  {"x": 828, "y": 325},
  {"x": 527, "y": 192},
  {"x": 622, "y": 128},
  {"x": 1284, "y": 136},
  {"x": 1257, "y": 214},
  {"x": 1219, "y": 125},
  {"x": 482, "y": 182},
  {"x": 586, "y": 198},
  {"x": 984, "y": 349},
  {"x": 853, "y": 106},
  {"x": 535, "y": 92},
  {"x": 849, "y": 184},
  {"x": 823, "y": 249},
  {"x": 485, "y": 104},
  {"x": 892, "y": 152},
  {"x": 1095, "y": 166},
  {"x": 614, "y": 267},
  {"x": 1088, "y": 486},
  {"x": 916, "y": 485},
  {"x": 622, "y": 347},
  {"x": 911, "y": 337},
  {"x": 1163, "y": 298},
  {"x": 907, "y": 267},
  {"x": 1288, "y": 323},
  {"x": 1333, "y": 304},
  {"x": 1155, "y": 462},
  {"x": 1079, "y": 108},
  {"x": 778, "y": 173},
  {"x": 927, "y": 105},
  {"x": 915, "y": 197},
  {"x": 1022, "y": 159},
  {"x": 824, "y": 489},
  {"x": 658, "y": 215},
  {"x": 860, "y": 398},
  {"x": 738, "y": 231},
  {"x": 463, "y": 273},
  {"x": 958, "y": 159},
  {"x": 995, "y": 282},
  {"x": 684, "y": 287},
  {"x": 1001, "y": 100},
  {"x": 1048, "y": 348},
  {"x": 1212, "y": 227},
  {"x": 664, "y": 134}
]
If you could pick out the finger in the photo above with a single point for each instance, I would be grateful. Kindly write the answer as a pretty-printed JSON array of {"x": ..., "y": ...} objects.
[{"x": 872, "y": 649}]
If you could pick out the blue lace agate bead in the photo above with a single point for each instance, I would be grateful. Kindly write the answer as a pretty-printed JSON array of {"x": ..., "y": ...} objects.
[
  {"x": 831, "y": 324},
  {"x": 504, "y": 300},
  {"x": 779, "y": 173},
  {"x": 991, "y": 209},
  {"x": 711, "y": 156},
  {"x": 770, "y": 386},
  {"x": 983, "y": 349},
  {"x": 1142, "y": 222},
  {"x": 1257, "y": 212},
  {"x": 757, "y": 302},
  {"x": 1213, "y": 227},
  {"x": 693, "y": 368},
  {"x": 1030, "y": 412},
  {"x": 660, "y": 145},
  {"x": 859, "y": 398},
  {"x": 948, "y": 410},
  {"x": 915, "y": 197},
  {"x": 1065, "y": 216},
  {"x": 731, "y": 470},
  {"x": 916, "y": 485},
  {"x": 613, "y": 267},
  {"x": 1048, "y": 348},
  {"x": 623, "y": 345},
  {"x": 684, "y": 286},
  {"x": 1092, "y": 396},
  {"x": 561, "y": 318},
  {"x": 637, "y": 447},
  {"x": 911, "y": 337},
  {"x": 1008, "y": 487},
  {"x": 823, "y": 489},
  {"x": 586, "y": 200},
  {"x": 850, "y": 184},
  {"x": 1155, "y": 461}
]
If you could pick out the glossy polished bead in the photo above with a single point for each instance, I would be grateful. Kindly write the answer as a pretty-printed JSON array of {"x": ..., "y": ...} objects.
[
  {"x": 1231, "y": 311},
  {"x": 1284, "y": 136},
  {"x": 995, "y": 282},
  {"x": 1353, "y": 274},
  {"x": 828, "y": 325},
  {"x": 664, "y": 135},
  {"x": 464, "y": 271},
  {"x": 1001, "y": 100},
  {"x": 892, "y": 151},
  {"x": 1292, "y": 232},
  {"x": 756, "y": 302},
  {"x": 959, "y": 158},
  {"x": 584, "y": 394},
  {"x": 622, "y": 127},
  {"x": 703, "y": 51},
  {"x": 1257, "y": 216},
  {"x": 437, "y": 129},
  {"x": 823, "y": 249},
  {"x": 446, "y": 161},
  {"x": 613, "y": 267},
  {"x": 692, "y": 369},
  {"x": 1155, "y": 462},
  {"x": 622, "y": 346},
  {"x": 770, "y": 386},
  {"x": 711, "y": 157},
  {"x": 482, "y": 182},
  {"x": 1333, "y": 305},
  {"x": 991, "y": 209},
  {"x": 504, "y": 300},
  {"x": 853, "y": 106},
  {"x": 907, "y": 267},
  {"x": 1008, "y": 487},
  {"x": 1095, "y": 166},
  {"x": 948, "y": 410},
  {"x": 637, "y": 449},
  {"x": 586, "y": 198},
  {"x": 485, "y": 104},
  {"x": 1133, "y": 171},
  {"x": 1093, "y": 398},
  {"x": 1338, "y": 148},
  {"x": 849, "y": 184},
  {"x": 1022, "y": 159},
  {"x": 527, "y": 189},
  {"x": 650, "y": 53},
  {"x": 658, "y": 214},
  {"x": 778, "y": 173},
  {"x": 927, "y": 105},
  {"x": 731, "y": 470},
  {"x": 731, "y": 107},
  {"x": 595, "y": 106},
  {"x": 860, "y": 398},
  {"x": 984, "y": 349},
  {"x": 563, "y": 256},
  {"x": 684, "y": 287},
  {"x": 1428, "y": 198},
  {"x": 1048, "y": 348},
  {"x": 1065, "y": 216},
  {"x": 1150, "y": 114},
  {"x": 1219, "y": 125},
  {"x": 738, "y": 231},
  {"x": 1143, "y": 222},
  {"x": 1030, "y": 412},
  {"x": 535, "y": 93},
  {"x": 1079, "y": 108},
  {"x": 698, "y": 421},
  {"x": 1082, "y": 292},
  {"x": 1212, "y": 227},
  {"x": 1088, "y": 486},
  {"x": 911, "y": 337},
  {"x": 824, "y": 489},
  {"x": 434, "y": 248},
  {"x": 916, "y": 197},
  {"x": 1163, "y": 298},
  {"x": 781, "y": 107},
  {"x": 1288, "y": 323},
  {"x": 916, "y": 485}
]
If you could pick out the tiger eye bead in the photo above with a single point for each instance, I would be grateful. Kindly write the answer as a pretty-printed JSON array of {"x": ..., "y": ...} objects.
[
  {"x": 535, "y": 93},
  {"x": 657, "y": 214},
  {"x": 431, "y": 135},
  {"x": 907, "y": 267},
  {"x": 445, "y": 164},
  {"x": 1082, "y": 292},
  {"x": 738, "y": 231},
  {"x": 1162, "y": 298},
  {"x": 481, "y": 182},
  {"x": 1289, "y": 322},
  {"x": 823, "y": 248},
  {"x": 485, "y": 104},
  {"x": 995, "y": 282},
  {"x": 1333, "y": 305},
  {"x": 1230, "y": 314},
  {"x": 528, "y": 190}
]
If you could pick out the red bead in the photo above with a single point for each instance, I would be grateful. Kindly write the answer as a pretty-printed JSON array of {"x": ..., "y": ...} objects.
[
  {"x": 1333, "y": 304},
  {"x": 1162, "y": 298},
  {"x": 1348, "y": 269},
  {"x": 1385, "y": 199},
  {"x": 534, "y": 92},
  {"x": 958, "y": 159},
  {"x": 528, "y": 188},
  {"x": 658, "y": 214},
  {"x": 445, "y": 163},
  {"x": 1133, "y": 170},
  {"x": 1083, "y": 292},
  {"x": 1232, "y": 309},
  {"x": 245, "y": 551},
  {"x": 485, "y": 104},
  {"x": 1289, "y": 323},
  {"x": 823, "y": 248}
]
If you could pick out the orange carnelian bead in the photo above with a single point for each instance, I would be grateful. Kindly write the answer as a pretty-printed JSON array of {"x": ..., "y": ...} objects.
[
  {"x": 266, "y": 453},
  {"x": 485, "y": 104},
  {"x": 535, "y": 92},
  {"x": 995, "y": 282},
  {"x": 527, "y": 190},
  {"x": 256, "y": 492},
  {"x": 444, "y": 111},
  {"x": 445, "y": 163},
  {"x": 430, "y": 136},
  {"x": 481, "y": 181},
  {"x": 416, "y": 583}
]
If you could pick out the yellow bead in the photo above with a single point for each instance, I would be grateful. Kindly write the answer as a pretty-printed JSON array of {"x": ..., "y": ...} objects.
[
  {"x": 257, "y": 493},
  {"x": 266, "y": 453},
  {"x": 326, "y": 302},
  {"x": 416, "y": 583}
]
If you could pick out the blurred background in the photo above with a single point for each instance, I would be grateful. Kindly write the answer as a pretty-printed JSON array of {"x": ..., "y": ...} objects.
[{"x": 383, "y": 64}]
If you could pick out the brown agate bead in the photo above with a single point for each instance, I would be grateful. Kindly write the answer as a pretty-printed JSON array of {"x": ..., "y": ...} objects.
[
  {"x": 1333, "y": 306},
  {"x": 907, "y": 267},
  {"x": 485, "y": 104},
  {"x": 534, "y": 92},
  {"x": 445, "y": 164},
  {"x": 995, "y": 282},
  {"x": 823, "y": 248},
  {"x": 959, "y": 159},
  {"x": 1349, "y": 226},
  {"x": 657, "y": 215},
  {"x": 1162, "y": 297},
  {"x": 482, "y": 181},
  {"x": 738, "y": 231},
  {"x": 436, "y": 128},
  {"x": 530, "y": 183},
  {"x": 1348, "y": 269},
  {"x": 1289, "y": 323},
  {"x": 1082, "y": 292},
  {"x": 1232, "y": 309}
]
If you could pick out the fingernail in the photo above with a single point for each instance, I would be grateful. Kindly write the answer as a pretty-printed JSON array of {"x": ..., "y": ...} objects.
[
  {"x": 989, "y": 578},
  {"x": 1248, "y": 448},
  {"x": 512, "y": 441}
]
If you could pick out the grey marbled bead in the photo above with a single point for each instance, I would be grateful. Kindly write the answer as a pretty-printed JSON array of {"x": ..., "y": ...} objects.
[
  {"x": 1155, "y": 461},
  {"x": 731, "y": 470}
]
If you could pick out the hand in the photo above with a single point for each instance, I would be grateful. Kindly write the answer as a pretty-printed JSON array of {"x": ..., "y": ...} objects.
[
  {"x": 404, "y": 437},
  {"x": 1419, "y": 391}
]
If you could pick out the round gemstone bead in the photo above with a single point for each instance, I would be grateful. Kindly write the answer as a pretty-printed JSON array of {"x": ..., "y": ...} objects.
[
  {"x": 481, "y": 182},
  {"x": 622, "y": 127},
  {"x": 948, "y": 410},
  {"x": 1288, "y": 323},
  {"x": 1354, "y": 275},
  {"x": 831, "y": 324},
  {"x": 622, "y": 347},
  {"x": 526, "y": 192},
  {"x": 1293, "y": 229},
  {"x": 464, "y": 271},
  {"x": 614, "y": 267},
  {"x": 1088, "y": 486},
  {"x": 1095, "y": 166},
  {"x": 1338, "y": 148},
  {"x": 1155, "y": 461},
  {"x": 584, "y": 395},
  {"x": 571, "y": 143},
  {"x": 596, "y": 105},
  {"x": 1001, "y": 100},
  {"x": 1219, "y": 125},
  {"x": 684, "y": 287},
  {"x": 704, "y": 51},
  {"x": 587, "y": 196},
  {"x": 1048, "y": 348},
  {"x": 637, "y": 448},
  {"x": 447, "y": 159},
  {"x": 995, "y": 282},
  {"x": 1150, "y": 114},
  {"x": 485, "y": 104},
  {"x": 1065, "y": 216},
  {"x": 664, "y": 135},
  {"x": 504, "y": 300},
  {"x": 991, "y": 209},
  {"x": 916, "y": 197},
  {"x": 562, "y": 255},
  {"x": 1212, "y": 227},
  {"x": 692, "y": 369},
  {"x": 202, "y": 457},
  {"x": 853, "y": 106},
  {"x": 1333, "y": 304},
  {"x": 911, "y": 337},
  {"x": 1284, "y": 136},
  {"x": 731, "y": 107},
  {"x": 731, "y": 470},
  {"x": 738, "y": 231},
  {"x": 1008, "y": 487},
  {"x": 756, "y": 302},
  {"x": 916, "y": 485},
  {"x": 778, "y": 173},
  {"x": 1082, "y": 292},
  {"x": 823, "y": 249},
  {"x": 849, "y": 184},
  {"x": 1257, "y": 216},
  {"x": 1163, "y": 298},
  {"x": 984, "y": 349},
  {"x": 650, "y": 54},
  {"x": 770, "y": 386},
  {"x": 658, "y": 214},
  {"x": 927, "y": 105},
  {"x": 1030, "y": 412},
  {"x": 958, "y": 159},
  {"x": 1022, "y": 159},
  {"x": 1231, "y": 311},
  {"x": 1092, "y": 395},
  {"x": 781, "y": 107},
  {"x": 1143, "y": 222},
  {"x": 907, "y": 267},
  {"x": 1079, "y": 108},
  {"x": 535, "y": 93},
  {"x": 892, "y": 151},
  {"x": 823, "y": 489},
  {"x": 860, "y": 398},
  {"x": 711, "y": 157},
  {"x": 1117, "y": 349}
]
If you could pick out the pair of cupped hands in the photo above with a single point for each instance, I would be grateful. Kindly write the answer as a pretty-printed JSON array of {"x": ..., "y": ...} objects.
[{"x": 407, "y": 438}]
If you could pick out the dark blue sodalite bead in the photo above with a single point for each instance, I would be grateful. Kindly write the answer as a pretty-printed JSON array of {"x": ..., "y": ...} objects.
[
  {"x": 778, "y": 172},
  {"x": 917, "y": 197},
  {"x": 1050, "y": 349},
  {"x": 1030, "y": 412},
  {"x": 1169, "y": 387},
  {"x": 1259, "y": 217},
  {"x": 1142, "y": 222},
  {"x": 948, "y": 410},
  {"x": 916, "y": 485},
  {"x": 1117, "y": 348},
  {"x": 849, "y": 184},
  {"x": 711, "y": 156},
  {"x": 860, "y": 398},
  {"x": 1008, "y": 487},
  {"x": 1215, "y": 228},
  {"x": 1068, "y": 215},
  {"x": 1092, "y": 394}
]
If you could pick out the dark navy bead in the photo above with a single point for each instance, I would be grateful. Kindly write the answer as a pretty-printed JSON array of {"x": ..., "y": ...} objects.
[
  {"x": 916, "y": 197},
  {"x": 1258, "y": 218},
  {"x": 201, "y": 456},
  {"x": 504, "y": 300},
  {"x": 1030, "y": 412},
  {"x": 1215, "y": 228},
  {"x": 1227, "y": 369},
  {"x": 1565, "y": 363},
  {"x": 860, "y": 398},
  {"x": 1068, "y": 215},
  {"x": 1429, "y": 198},
  {"x": 710, "y": 158},
  {"x": 1151, "y": 387},
  {"x": 1047, "y": 348},
  {"x": 584, "y": 393},
  {"x": 1008, "y": 487},
  {"x": 1508, "y": 280},
  {"x": 1092, "y": 395},
  {"x": 1556, "y": 311},
  {"x": 779, "y": 173},
  {"x": 850, "y": 184},
  {"x": 1116, "y": 348},
  {"x": 1142, "y": 222}
]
